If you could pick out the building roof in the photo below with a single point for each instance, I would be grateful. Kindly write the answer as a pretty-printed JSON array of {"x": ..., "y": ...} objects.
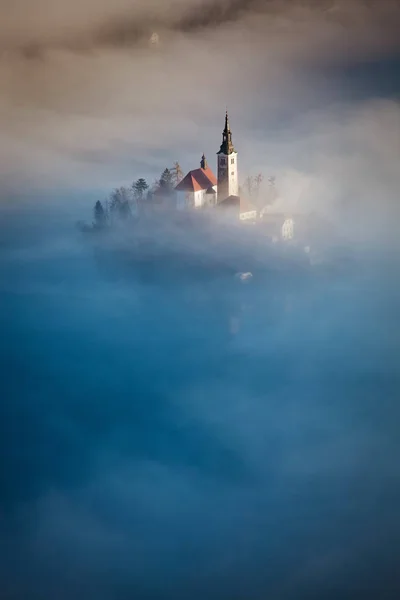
[
  {"x": 199, "y": 179},
  {"x": 246, "y": 205},
  {"x": 238, "y": 202},
  {"x": 230, "y": 201}
]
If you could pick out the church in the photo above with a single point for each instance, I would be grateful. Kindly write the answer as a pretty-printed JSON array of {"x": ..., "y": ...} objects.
[{"x": 201, "y": 188}]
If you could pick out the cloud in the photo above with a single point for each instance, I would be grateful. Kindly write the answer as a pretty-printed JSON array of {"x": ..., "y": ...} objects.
[
  {"x": 83, "y": 106},
  {"x": 145, "y": 447},
  {"x": 344, "y": 164},
  {"x": 150, "y": 452},
  {"x": 125, "y": 22}
]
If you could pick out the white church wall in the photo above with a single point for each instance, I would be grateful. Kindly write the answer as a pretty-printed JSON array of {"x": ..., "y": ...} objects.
[
  {"x": 195, "y": 199},
  {"x": 233, "y": 175},
  {"x": 199, "y": 198},
  {"x": 210, "y": 198}
]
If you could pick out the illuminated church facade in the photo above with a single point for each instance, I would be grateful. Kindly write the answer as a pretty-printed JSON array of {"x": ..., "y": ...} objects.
[{"x": 201, "y": 188}]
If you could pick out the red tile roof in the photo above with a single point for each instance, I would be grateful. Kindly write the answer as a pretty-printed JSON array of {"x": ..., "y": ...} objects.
[{"x": 199, "y": 179}]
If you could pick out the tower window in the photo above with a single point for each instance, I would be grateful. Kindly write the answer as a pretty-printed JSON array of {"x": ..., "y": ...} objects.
[
  {"x": 222, "y": 161},
  {"x": 232, "y": 172},
  {"x": 232, "y": 161}
]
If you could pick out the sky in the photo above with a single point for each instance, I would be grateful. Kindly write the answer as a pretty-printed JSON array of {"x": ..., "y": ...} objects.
[
  {"x": 312, "y": 89},
  {"x": 167, "y": 431}
]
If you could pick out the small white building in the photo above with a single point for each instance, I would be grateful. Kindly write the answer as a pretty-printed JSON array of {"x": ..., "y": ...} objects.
[
  {"x": 278, "y": 226},
  {"x": 248, "y": 211},
  {"x": 287, "y": 229}
]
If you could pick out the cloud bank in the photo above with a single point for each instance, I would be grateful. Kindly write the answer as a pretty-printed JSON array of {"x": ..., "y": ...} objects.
[
  {"x": 87, "y": 104},
  {"x": 150, "y": 452}
]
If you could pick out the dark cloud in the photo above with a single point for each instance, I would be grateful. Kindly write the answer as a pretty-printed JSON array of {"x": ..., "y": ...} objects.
[{"x": 128, "y": 24}]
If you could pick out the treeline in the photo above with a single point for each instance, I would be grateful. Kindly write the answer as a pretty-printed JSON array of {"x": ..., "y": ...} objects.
[{"x": 125, "y": 202}]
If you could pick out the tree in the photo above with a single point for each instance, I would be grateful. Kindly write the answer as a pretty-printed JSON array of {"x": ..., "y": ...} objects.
[
  {"x": 99, "y": 215},
  {"x": 166, "y": 181},
  {"x": 139, "y": 189},
  {"x": 252, "y": 185},
  {"x": 125, "y": 210},
  {"x": 120, "y": 203},
  {"x": 258, "y": 179},
  {"x": 115, "y": 201},
  {"x": 248, "y": 185},
  {"x": 177, "y": 173}
]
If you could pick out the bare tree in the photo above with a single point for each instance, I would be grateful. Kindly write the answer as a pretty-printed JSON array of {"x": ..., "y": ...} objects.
[
  {"x": 252, "y": 185},
  {"x": 248, "y": 185},
  {"x": 258, "y": 179},
  {"x": 177, "y": 173}
]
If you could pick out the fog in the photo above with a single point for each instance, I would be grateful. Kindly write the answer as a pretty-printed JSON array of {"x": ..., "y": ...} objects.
[
  {"x": 168, "y": 431},
  {"x": 153, "y": 449}
]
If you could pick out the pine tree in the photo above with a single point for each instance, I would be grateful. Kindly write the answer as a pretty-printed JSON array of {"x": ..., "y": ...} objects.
[
  {"x": 99, "y": 215},
  {"x": 139, "y": 188},
  {"x": 166, "y": 181}
]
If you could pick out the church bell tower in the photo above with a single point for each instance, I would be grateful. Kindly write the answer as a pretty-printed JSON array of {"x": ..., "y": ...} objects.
[{"x": 227, "y": 165}]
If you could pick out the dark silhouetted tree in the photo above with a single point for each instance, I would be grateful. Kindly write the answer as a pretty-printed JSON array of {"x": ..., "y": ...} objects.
[
  {"x": 140, "y": 188},
  {"x": 166, "y": 182},
  {"x": 120, "y": 203},
  {"x": 99, "y": 215}
]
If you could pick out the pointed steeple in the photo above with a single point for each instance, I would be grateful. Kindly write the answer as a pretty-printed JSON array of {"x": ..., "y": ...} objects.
[
  {"x": 227, "y": 145},
  {"x": 227, "y": 128},
  {"x": 203, "y": 163}
]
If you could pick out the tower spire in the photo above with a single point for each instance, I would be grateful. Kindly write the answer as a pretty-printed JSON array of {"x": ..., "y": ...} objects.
[
  {"x": 227, "y": 128},
  {"x": 203, "y": 163},
  {"x": 227, "y": 144}
]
